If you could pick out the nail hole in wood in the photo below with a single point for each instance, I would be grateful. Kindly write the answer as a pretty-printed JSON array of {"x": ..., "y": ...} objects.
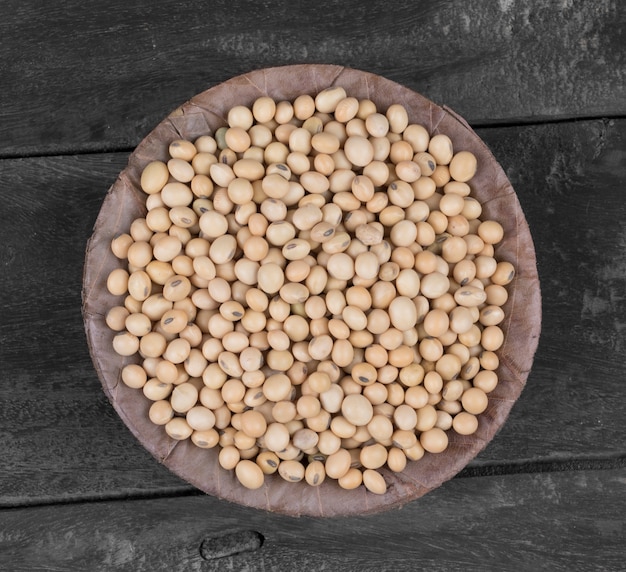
[{"x": 230, "y": 543}]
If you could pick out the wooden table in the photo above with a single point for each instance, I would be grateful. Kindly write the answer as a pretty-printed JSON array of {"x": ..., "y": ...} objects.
[{"x": 542, "y": 82}]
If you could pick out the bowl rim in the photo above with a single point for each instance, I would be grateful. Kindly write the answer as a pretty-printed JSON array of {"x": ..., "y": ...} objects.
[{"x": 124, "y": 199}]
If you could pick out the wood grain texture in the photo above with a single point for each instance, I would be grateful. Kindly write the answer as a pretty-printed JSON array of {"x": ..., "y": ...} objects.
[
  {"x": 557, "y": 522},
  {"x": 62, "y": 440},
  {"x": 95, "y": 77},
  {"x": 570, "y": 179},
  {"x": 58, "y": 430}
]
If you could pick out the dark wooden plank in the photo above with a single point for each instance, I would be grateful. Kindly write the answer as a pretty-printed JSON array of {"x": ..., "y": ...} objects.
[
  {"x": 83, "y": 76},
  {"x": 62, "y": 440},
  {"x": 570, "y": 179},
  {"x": 557, "y": 522},
  {"x": 60, "y": 434}
]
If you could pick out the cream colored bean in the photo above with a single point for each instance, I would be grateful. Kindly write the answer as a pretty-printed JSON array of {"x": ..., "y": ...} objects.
[
  {"x": 354, "y": 318},
  {"x": 125, "y": 344},
  {"x": 280, "y": 232},
  {"x": 338, "y": 463},
  {"x": 380, "y": 428},
  {"x": 359, "y": 151},
  {"x": 223, "y": 249},
  {"x": 402, "y": 313},
  {"x": 155, "y": 306},
  {"x": 274, "y": 210},
  {"x": 240, "y": 191},
  {"x": 487, "y": 380},
  {"x": 322, "y": 232},
  {"x": 400, "y": 193},
  {"x": 404, "y": 233},
  {"x": 135, "y": 376},
  {"x": 296, "y": 249},
  {"x": 340, "y": 265},
  {"x": 357, "y": 409},
  {"x": 297, "y": 328},
  {"x": 176, "y": 288},
  {"x": 398, "y": 118},
  {"x": 465, "y": 423},
  {"x": 176, "y": 195},
  {"x": 249, "y": 474},
  {"x": 178, "y": 429},
  {"x": 359, "y": 297},
  {"x": 396, "y": 459},
  {"x": 408, "y": 171},
  {"x": 184, "y": 397},
  {"x": 325, "y": 142},
  {"x": 161, "y": 412},
  {"x": 426, "y": 162},
  {"x": 117, "y": 282},
  {"x": 276, "y": 437},
  {"x": 417, "y": 136},
  {"x": 155, "y": 390},
  {"x": 314, "y": 182},
  {"x": 315, "y": 473},
  {"x": 294, "y": 293},
  {"x": 120, "y": 245},
  {"x": 327, "y": 100},
  {"x": 264, "y": 109},
  {"x": 458, "y": 225},
  {"x": 291, "y": 471},
  {"x": 434, "y": 285},
  {"x": 362, "y": 188},
  {"x": 154, "y": 177},
  {"x": 491, "y": 232},
  {"x": 474, "y": 400},
  {"x": 374, "y": 482},
  {"x": 370, "y": 233},
  {"x": 391, "y": 215},
  {"x": 181, "y": 170},
  {"x": 463, "y": 166},
  {"x": 492, "y": 338},
  {"x": 461, "y": 319},
  {"x": 503, "y": 274},
  {"x": 434, "y": 440},
  {"x": 401, "y": 151},
  {"x": 491, "y": 315},
  {"x": 440, "y": 147},
  {"x": 213, "y": 224},
  {"x": 470, "y": 296},
  {"x": 138, "y": 324}
]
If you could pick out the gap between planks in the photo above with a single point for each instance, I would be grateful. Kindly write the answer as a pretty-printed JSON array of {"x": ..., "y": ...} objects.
[
  {"x": 532, "y": 121},
  {"x": 475, "y": 471}
]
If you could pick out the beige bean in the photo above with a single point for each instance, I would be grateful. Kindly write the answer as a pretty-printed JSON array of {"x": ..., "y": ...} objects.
[
  {"x": 338, "y": 463},
  {"x": 470, "y": 296},
  {"x": 249, "y": 474},
  {"x": 296, "y": 249},
  {"x": 402, "y": 313},
  {"x": 327, "y": 100},
  {"x": 294, "y": 293}
]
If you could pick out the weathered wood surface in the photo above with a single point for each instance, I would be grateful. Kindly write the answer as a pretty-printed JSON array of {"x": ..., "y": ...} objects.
[
  {"x": 82, "y": 76},
  {"x": 63, "y": 441},
  {"x": 565, "y": 522}
]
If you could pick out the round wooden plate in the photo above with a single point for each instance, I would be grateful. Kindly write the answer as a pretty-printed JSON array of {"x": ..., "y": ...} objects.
[{"x": 125, "y": 201}]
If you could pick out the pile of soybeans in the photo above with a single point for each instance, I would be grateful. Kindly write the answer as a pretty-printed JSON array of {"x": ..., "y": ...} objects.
[{"x": 312, "y": 291}]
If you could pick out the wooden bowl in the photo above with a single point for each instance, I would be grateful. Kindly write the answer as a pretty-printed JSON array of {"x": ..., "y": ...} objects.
[{"x": 125, "y": 201}]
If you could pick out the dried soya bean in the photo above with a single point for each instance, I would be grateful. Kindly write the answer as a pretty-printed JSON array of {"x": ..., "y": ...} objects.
[{"x": 312, "y": 291}]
